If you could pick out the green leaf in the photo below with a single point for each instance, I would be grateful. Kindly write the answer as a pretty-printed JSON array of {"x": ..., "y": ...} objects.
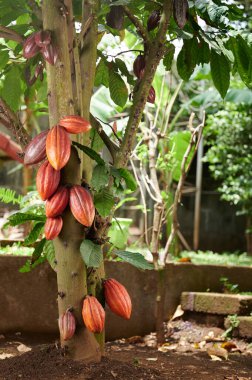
[
  {"x": 10, "y": 196},
  {"x": 34, "y": 234},
  {"x": 36, "y": 258},
  {"x": 100, "y": 177},
  {"x": 117, "y": 88},
  {"x": 91, "y": 253},
  {"x": 90, "y": 153},
  {"x": 104, "y": 202},
  {"x": 4, "y": 58},
  {"x": 135, "y": 259},
  {"x": 20, "y": 218},
  {"x": 11, "y": 91},
  {"x": 128, "y": 178},
  {"x": 102, "y": 74},
  {"x": 187, "y": 59},
  {"x": 168, "y": 59},
  {"x": 49, "y": 253},
  {"x": 178, "y": 144},
  {"x": 38, "y": 250},
  {"x": 243, "y": 58},
  {"x": 220, "y": 71},
  {"x": 124, "y": 70}
]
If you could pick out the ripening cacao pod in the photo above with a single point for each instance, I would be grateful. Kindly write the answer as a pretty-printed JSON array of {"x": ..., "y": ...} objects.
[
  {"x": 75, "y": 124},
  {"x": 153, "y": 20},
  {"x": 47, "y": 180},
  {"x": 93, "y": 314},
  {"x": 35, "y": 152},
  {"x": 81, "y": 205},
  {"x": 53, "y": 227},
  {"x": 58, "y": 147},
  {"x": 180, "y": 12},
  {"x": 30, "y": 48},
  {"x": 67, "y": 325},
  {"x": 139, "y": 66},
  {"x": 117, "y": 298},
  {"x": 152, "y": 96},
  {"x": 57, "y": 203},
  {"x": 115, "y": 17},
  {"x": 43, "y": 38},
  {"x": 50, "y": 53}
]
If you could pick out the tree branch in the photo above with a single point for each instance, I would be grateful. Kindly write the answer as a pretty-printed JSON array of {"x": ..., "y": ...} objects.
[
  {"x": 139, "y": 26},
  {"x": 112, "y": 147},
  {"x": 35, "y": 9},
  {"x": 10, "y": 34},
  {"x": 12, "y": 122}
]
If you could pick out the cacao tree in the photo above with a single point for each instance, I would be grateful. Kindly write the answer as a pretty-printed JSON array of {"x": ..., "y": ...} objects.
[{"x": 50, "y": 54}]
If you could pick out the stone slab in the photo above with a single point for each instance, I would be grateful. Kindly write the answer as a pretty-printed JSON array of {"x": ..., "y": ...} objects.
[
  {"x": 216, "y": 303},
  {"x": 244, "y": 330}
]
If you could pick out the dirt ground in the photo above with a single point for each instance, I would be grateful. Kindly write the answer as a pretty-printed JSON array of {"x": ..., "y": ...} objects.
[{"x": 190, "y": 352}]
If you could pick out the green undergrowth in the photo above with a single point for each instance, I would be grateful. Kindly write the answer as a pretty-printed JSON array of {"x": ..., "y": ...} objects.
[
  {"x": 209, "y": 257},
  {"x": 16, "y": 250}
]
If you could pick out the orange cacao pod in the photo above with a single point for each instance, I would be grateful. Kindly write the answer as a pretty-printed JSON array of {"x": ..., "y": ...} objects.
[
  {"x": 67, "y": 325},
  {"x": 75, "y": 124},
  {"x": 180, "y": 12},
  {"x": 57, "y": 203},
  {"x": 53, "y": 226},
  {"x": 152, "y": 95},
  {"x": 30, "y": 48},
  {"x": 93, "y": 314},
  {"x": 81, "y": 205},
  {"x": 58, "y": 147},
  {"x": 117, "y": 298},
  {"x": 47, "y": 180},
  {"x": 36, "y": 149}
]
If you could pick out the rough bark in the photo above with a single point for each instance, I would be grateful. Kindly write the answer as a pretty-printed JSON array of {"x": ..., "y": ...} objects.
[{"x": 71, "y": 271}]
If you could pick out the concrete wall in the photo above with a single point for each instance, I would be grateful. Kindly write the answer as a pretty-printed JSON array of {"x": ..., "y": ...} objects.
[{"x": 28, "y": 300}]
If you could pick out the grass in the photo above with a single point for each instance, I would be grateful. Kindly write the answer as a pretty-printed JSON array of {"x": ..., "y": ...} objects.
[
  {"x": 209, "y": 257},
  {"x": 16, "y": 250}
]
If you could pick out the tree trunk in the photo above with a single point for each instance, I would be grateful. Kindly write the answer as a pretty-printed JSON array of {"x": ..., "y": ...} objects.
[
  {"x": 160, "y": 301},
  {"x": 71, "y": 271}
]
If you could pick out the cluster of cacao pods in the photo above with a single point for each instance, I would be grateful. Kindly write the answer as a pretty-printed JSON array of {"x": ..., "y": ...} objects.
[
  {"x": 116, "y": 297},
  {"x": 138, "y": 69},
  {"x": 41, "y": 42},
  {"x": 54, "y": 148}
]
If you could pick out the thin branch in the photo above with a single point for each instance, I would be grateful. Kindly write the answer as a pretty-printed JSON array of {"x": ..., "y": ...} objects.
[
  {"x": 124, "y": 52},
  {"x": 114, "y": 133},
  {"x": 139, "y": 26},
  {"x": 112, "y": 147},
  {"x": 85, "y": 29},
  {"x": 13, "y": 123},
  {"x": 10, "y": 34}
]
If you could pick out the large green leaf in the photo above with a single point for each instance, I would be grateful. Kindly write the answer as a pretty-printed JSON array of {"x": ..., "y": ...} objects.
[
  {"x": 178, "y": 144},
  {"x": 34, "y": 234},
  {"x": 102, "y": 74},
  {"x": 104, "y": 202},
  {"x": 243, "y": 58},
  {"x": 4, "y": 58},
  {"x": 128, "y": 178},
  {"x": 11, "y": 91},
  {"x": 20, "y": 218},
  {"x": 187, "y": 59},
  {"x": 220, "y": 71},
  {"x": 90, "y": 152},
  {"x": 91, "y": 253},
  {"x": 49, "y": 253},
  {"x": 100, "y": 177},
  {"x": 135, "y": 259},
  {"x": 36, "y": 259},
  {"x": 117, "y": 88},
  {"x": 168, "y": 58}
]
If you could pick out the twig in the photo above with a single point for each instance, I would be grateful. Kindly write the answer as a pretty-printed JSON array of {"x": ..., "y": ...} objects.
[
  {"x": 139, "y": 26},
  {"x": 123, "y": 52},
  {"x": 10, "y": 34},
  {"x": 114, "y": 133},
  {"x": 112, "y": 147},
  {"x": 12, "y": 122}
]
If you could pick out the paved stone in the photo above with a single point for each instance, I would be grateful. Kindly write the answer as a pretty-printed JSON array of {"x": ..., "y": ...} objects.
[
  {"x": 216, "y": 303},
  {"x": 244, "y": 329}
]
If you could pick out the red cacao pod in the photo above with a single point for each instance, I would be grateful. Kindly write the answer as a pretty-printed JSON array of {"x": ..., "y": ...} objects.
[
  {"x": 115, "y": 17},
  {"x": 47, "y": 180},
  {"x": 153, "y": 20},
  {"x": 75, "y": 124},
  {"x": 81, "y": 205},
  {"x": 53, "y": 227},
  {"x": 30, "y": 48},
  {"x": 93, "y": 314},
  {"x": 35, "y": 152},
  {"x": 43, "y": 38},
  {"x": 180, "y": 12},
  {"x": 58, "y": 147},
  {"x": 67, "y": 325},
  {"x": 50, "y": 53},
  {"x": 57, "y": 203},
  {"x": 139, "y": 66},
  {"x": 152, "y": 96},
  {"x": 117, "y": 298}
]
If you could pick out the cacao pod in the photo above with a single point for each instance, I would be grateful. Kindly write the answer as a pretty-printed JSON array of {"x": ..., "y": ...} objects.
[
  {"x": 47, "y": 180},
  {"x": 139, "y": 66},
  {"x": 180, "y": 12},
  {"x": 81, "y": 205},
  {"x": 35, "y": 152},
  {"x": 53, "y": 227},
  {"x": 93, "y": 314},
  {"x": 67, "y": 325},
  {"x": 58, "y": 147},
  {"x": 43, "y": 38},
  {"x": 115, "y": 17},
  {"x": 153, "y": 20},
  {"x": 75, "y": 124},
  {"x": 57, "y": 203},
  {"x": 50, "y": 53},
  {"x": 117, "y": 298},
  {"x": 30, "y": 48},
  {"x": 152, "y": 96}
]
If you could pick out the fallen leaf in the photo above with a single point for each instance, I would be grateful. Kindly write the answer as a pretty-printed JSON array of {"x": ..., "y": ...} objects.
[
  {"x": 4, "y": 356},
  {"x": 152, "y": 359},
  {"x": 215, "y": 358},
  {"x": 167, "y": 347},
  {"x": 185, "y": 260},
  {"x": 229, "y": 346},
  {"x": 217, "y": 351},
  {"x": 135, "y": 339},
  {"x": 114, "y": 374},
  {"x": 23, "y": 348},
  {"x": 178, "y": 313}
]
